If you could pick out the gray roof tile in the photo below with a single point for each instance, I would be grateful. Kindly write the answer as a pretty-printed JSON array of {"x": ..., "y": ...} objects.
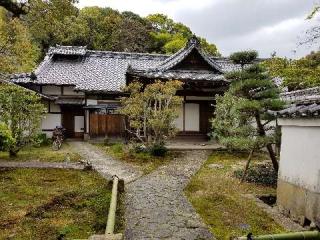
[{"x": 106, "y": 71}]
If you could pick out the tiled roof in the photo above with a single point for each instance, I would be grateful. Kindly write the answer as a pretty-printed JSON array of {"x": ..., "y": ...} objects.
[
  {"x": 304, "y": 95},
  {"x": 302, "y": 103},
  {"x": 68, "y": 50},
  {"x": 174, "y": 59},
  {"x": 181, "y": 75},
  {"x": 298, "y": 111},
  {"x": 106, "y": 71}
]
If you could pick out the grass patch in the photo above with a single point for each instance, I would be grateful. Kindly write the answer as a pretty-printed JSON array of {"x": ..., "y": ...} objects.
[
  {"x": 144, "y": 160},
  {"x": 52, "y": 204},
  {"x": 216, "y": 194},
  {"x": 43, "y": 154}
]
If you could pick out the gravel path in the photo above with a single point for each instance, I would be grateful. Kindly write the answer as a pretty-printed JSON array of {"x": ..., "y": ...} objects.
[
  {"x": 156, "y": 207},
  {"x": 36, "y": 164},
  {"x": 105, "y": 164}
]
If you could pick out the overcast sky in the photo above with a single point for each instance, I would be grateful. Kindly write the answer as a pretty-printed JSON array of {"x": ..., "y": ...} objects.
[{"x": 233, "y": 25}]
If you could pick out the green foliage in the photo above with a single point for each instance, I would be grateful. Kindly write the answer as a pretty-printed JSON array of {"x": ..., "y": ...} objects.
[
  {"x": 242, "y": 113},
  {"x": 18, "y": 53},
  {"x": 169, "y": 37},
  {"x": 296, "y": 74},
  {"x": 6, "y": 138},
  {"x": 259, "y": 174},
  {"x": 42, "y": 140},
  {"x": 24, "y": 40},
  {"x": 152, "y": 110},
  {"x": 244, "y": 57},
  {"x": 22, "y": 111},
  {"x": 158, "y": 150}
]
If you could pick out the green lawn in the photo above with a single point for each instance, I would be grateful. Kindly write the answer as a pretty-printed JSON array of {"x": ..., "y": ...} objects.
[
  {"x": 48, "y": 204},
  {"x": 146, "y": 162},
  {"x": 43, "y": 154},
  {"x": 217, "y": 196}
]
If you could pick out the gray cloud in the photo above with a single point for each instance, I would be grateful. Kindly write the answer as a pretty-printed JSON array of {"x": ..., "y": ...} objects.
[
  {"x": 227, "y": 18},
  {"x": 239, "y": 24},
  {"x": 233, "y": 25}
]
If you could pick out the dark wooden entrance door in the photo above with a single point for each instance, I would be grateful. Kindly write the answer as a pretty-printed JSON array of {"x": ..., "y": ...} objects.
[
  {"x": 68, "y": 119},
  {"x": 102, "y": 125}
]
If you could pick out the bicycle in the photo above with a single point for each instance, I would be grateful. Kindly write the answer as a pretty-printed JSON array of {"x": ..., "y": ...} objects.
[{"x": 57, "y": 137}]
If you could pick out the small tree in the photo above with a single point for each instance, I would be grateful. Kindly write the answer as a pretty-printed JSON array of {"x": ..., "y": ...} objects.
[
  {"x": 242, "y": 120},
  {"x": 151, "y": 111},
  {"x": 21, "y": 111},
  {"x": 243, "y": 58}
]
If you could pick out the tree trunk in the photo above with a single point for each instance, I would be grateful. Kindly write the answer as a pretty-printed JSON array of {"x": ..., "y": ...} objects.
[
  {"x": 271, "y": 152},
  {"x": 247, "y": 166}
]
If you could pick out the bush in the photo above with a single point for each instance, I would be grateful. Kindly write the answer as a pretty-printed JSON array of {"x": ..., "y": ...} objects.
[
  {"x": 6, "y": 138},
  {"x": 260, "y": 174},
  {"x": 43, "y": 140},
  {"x": 158, "y": 150}
]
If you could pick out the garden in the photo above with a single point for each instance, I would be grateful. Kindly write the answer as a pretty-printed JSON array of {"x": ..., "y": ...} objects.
[
  {"x": 219, "y": 196},
  {"x": 53, "y": 204}
]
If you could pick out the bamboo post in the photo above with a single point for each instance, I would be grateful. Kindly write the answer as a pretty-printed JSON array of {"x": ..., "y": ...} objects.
[{"x": 113, "y": 206}]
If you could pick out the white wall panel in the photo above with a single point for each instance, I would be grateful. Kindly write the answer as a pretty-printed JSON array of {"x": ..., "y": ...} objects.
[
  {"x": 50, "y": 121},
  {"x": 78, "y": 123},
  {"x": 192, "y": 117},
  {"x": 179, "y": 121},
  {"x": 300, "y": 156}
]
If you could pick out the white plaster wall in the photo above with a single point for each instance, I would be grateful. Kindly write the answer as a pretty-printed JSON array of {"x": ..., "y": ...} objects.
[
  {"x": 78, "y": 123},
  {"x": 179, "y": 121},
  {"x": 54, "y": 107},
  {"x": 70, "y": 91},
  {"x": 49, "y": 122},
  {"x": 300, "y": 155},
  {"x": 92, "y": 102},
  {"x": 51, "y": 90},
  {"x": 192, "y": 115}
]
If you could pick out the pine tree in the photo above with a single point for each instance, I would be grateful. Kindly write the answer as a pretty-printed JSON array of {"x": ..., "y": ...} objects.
[{"x": 246, "y": 123}]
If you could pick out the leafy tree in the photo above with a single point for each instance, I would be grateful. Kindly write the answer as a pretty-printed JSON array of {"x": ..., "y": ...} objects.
[
  {"x": 131, "y": 35},
  {"x": 296, "y": 74},
  {"x": 45, "y": 19},
  {"x": 169, "y": 36},
  {"x": 244, "y": 57},
  {"x": 16, "y": 8},
  {"x": 21, "y": 111},
  {"x": 151, "y": 110},
  {"x": 17, "y": 51},
  {"x": 242, "y": 119}
]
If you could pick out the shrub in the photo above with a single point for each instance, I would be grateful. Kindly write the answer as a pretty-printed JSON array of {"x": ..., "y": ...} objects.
[
  {"x": 158, "y": 150},
  {"x": 5, "y": 137},
  {"x": 260, "y": 174},
  {"x": 43, "y": 140}
]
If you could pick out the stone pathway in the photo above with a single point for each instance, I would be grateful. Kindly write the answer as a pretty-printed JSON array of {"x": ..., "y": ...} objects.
[
  {"x": 156, "y": 207},
  {"x": 105, "y": 164},
  {"x": 37, "y": 164}
]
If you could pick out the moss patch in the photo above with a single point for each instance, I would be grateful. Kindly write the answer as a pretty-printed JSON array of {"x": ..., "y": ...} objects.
[
  {"x": 217, "y": 196},
  {"x": 145, "y": 161},
  {"x": 43, "y": 154},
  {"x": 52, "y": 204}
]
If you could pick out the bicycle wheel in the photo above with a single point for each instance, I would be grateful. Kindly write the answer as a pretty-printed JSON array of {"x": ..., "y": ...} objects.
[{"x": 55, "y": 145}]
